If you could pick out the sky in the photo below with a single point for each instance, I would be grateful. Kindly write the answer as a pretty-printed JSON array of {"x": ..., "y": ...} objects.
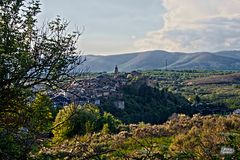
[{"x": 122, "y": 26}]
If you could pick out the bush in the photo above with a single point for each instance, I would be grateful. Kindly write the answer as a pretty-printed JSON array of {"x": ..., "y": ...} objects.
[{"x": 80, "y": 120}]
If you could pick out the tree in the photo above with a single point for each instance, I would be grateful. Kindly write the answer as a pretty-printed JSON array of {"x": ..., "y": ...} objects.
[
  {"x": 75, "y": 120},
  {"x": 31, "y": 57},
  {"x": 31, "y": 60},
  {"x": 41, "y": 116},
  {"x": 81, "y": 120},
  {"x": 110, "y": 122}
]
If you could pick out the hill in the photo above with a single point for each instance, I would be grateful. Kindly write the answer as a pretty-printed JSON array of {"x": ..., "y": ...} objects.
[
  {"x": 146, "y": 104},
  {"x": 224, "y": 60}
]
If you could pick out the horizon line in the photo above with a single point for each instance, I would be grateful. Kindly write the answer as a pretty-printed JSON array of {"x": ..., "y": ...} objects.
[{"x": 159, "y": 50}]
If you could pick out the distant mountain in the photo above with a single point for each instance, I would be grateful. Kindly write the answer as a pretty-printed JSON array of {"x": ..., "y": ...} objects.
[{"x": 224, "y": 60}]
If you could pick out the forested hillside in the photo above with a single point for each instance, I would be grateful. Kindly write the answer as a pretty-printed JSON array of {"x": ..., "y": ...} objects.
[{"x": 146, "y": 104}]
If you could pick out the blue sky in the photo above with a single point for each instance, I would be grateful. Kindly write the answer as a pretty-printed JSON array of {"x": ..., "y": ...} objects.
[
  {"x": 111, "y": 26},
  {"x": 120, "y": 26}
]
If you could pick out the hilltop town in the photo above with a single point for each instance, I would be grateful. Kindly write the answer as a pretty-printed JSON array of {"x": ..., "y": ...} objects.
[{"x": 93, "y": 89}]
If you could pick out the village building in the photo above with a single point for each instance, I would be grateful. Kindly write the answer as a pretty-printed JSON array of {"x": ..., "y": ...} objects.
[{"x": 93, "y": 89}]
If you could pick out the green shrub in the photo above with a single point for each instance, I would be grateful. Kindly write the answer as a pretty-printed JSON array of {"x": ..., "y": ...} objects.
[{"x": 80, "y": 120}]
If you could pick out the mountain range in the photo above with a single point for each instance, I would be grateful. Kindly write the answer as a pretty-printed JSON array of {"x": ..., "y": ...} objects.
[{"x": 158, "y": 59}]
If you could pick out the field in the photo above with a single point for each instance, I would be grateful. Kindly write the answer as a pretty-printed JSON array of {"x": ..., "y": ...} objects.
[{"x": 215, "y": 87}]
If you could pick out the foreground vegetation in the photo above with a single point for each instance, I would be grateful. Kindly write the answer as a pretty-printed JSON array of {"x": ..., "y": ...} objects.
[{"x": 182, "y": 137}]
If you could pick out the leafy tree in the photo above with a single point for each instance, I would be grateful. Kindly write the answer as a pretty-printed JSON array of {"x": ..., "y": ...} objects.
[
  {"x": 111, "y": 122},
  {"x": 80, "y": 120},
  {"x": 62, "y": 122},
  {"x": 31, "y": 60},
  {"x": 15, "y": 145},
  {"x": 105, "y": 129},
  {"x": 31, "y": 57},
  {"x": 41, "y": 116}
]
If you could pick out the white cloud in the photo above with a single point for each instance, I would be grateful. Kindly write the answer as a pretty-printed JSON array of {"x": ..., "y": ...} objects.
[{"x": 196, "y": 25}]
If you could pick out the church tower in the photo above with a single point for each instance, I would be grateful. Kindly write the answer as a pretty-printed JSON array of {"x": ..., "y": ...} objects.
[{"x": 116, "y": 71}]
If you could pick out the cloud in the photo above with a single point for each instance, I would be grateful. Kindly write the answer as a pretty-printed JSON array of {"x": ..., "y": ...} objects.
[{"x": 193, "y": 25}]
